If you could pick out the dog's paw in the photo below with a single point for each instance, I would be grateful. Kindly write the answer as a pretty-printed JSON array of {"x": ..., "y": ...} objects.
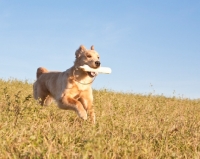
[{"x": 83, "y": 115}]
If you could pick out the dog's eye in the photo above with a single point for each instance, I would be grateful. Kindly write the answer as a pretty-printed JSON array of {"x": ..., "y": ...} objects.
[
  {"x": 98, "y": 57},
  {"x": 89, "y": 56}
]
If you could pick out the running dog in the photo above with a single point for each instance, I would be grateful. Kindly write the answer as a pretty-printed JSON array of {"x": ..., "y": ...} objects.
[{"x": 70, "y": 89}]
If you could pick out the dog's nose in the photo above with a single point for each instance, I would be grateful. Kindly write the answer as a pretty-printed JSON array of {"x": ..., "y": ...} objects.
[{"x": 97, "y": 63}]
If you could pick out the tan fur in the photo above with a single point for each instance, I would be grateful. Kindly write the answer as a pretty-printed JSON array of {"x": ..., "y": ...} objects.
[{"x": 71, "y": 89}]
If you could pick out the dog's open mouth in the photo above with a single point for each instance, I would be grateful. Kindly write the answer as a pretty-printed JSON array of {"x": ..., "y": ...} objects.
[{"x": 92, "y": 74}]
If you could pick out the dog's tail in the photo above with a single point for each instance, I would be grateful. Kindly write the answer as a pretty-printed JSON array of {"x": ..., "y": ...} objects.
[{"x": 40, "y": 71}]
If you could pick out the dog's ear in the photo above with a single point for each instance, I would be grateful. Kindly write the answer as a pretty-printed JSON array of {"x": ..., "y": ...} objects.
[
  {"x": 92, "y": 47},
  {"x": 80, "y": 50}
]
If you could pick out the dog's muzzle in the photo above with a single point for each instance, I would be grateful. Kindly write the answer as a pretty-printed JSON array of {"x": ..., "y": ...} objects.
[{"x": 93, "y": 74}]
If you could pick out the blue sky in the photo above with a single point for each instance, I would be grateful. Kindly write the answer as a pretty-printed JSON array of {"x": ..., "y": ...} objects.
[{"x": 151, "y": 46}]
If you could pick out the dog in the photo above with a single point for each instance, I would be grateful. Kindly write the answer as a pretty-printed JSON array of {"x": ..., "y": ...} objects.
[{"x": 70, "y": 89}]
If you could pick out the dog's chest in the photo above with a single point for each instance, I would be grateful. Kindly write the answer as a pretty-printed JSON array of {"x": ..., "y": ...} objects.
[
  {"x": 77, "y": 88},
  {"x": 82, "y": 87}
]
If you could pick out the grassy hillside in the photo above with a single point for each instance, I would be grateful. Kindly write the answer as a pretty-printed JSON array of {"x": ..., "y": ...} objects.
[{"x": 128, "y": 126}]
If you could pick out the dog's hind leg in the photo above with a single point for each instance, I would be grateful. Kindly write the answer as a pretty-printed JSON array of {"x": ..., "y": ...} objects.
[
  {"x": 43, "y": 97},
  {"x": 48, "y": 100},
  {"x": 68, "y": 103}
]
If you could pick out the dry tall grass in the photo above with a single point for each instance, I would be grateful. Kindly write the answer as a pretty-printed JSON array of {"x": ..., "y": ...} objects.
[{"x": 128, "y": 126}]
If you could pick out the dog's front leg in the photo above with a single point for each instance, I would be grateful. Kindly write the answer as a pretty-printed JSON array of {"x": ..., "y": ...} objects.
[
  {"x": 69, "y": 103},
  {"x": 87, "y": 103}
]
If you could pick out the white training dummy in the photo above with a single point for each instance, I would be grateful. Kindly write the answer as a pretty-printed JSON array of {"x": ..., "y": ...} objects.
[{"x": 106, "y": 70}]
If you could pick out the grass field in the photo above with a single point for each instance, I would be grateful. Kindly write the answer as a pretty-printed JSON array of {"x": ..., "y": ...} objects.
[{"x": 128, "y": 126}]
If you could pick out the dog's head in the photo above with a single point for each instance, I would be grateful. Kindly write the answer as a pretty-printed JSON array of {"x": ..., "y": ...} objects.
[{"x": 87, "y": 57}]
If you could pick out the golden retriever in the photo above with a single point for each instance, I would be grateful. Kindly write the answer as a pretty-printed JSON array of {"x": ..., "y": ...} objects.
[{"x": 71, "y": 89}]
